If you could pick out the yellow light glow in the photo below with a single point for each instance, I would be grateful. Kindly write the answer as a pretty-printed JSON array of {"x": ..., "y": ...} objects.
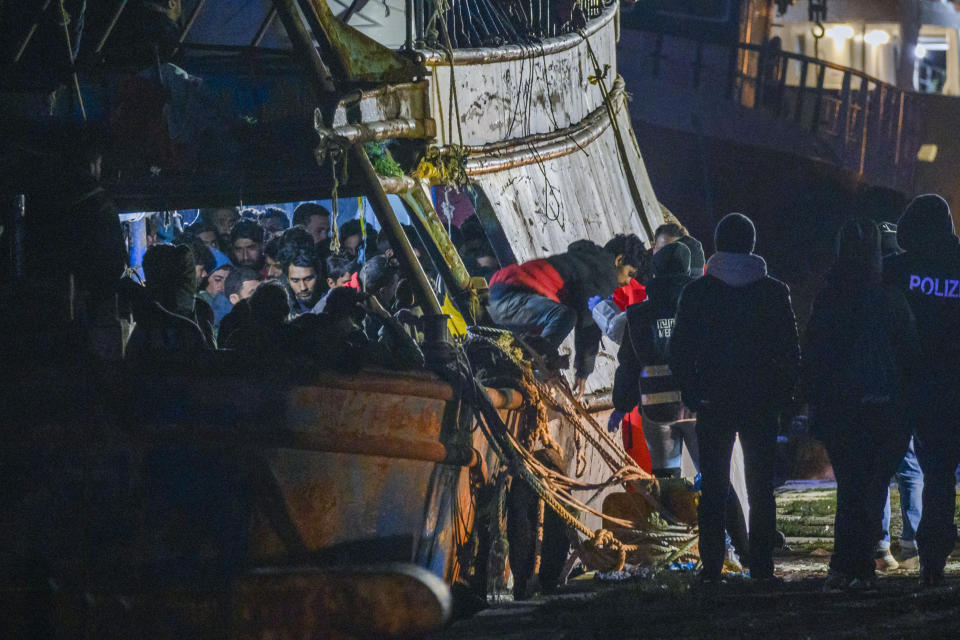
[
  {"x": 840, "y": 32},
  {"x": 927, "y": 153},
  {"x": 877, "y": 37}
]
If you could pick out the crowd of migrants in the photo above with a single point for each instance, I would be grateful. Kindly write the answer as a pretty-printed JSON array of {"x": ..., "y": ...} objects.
[
  {"x": 709, "y": 349},
  {"x": 249, "y": 281}
]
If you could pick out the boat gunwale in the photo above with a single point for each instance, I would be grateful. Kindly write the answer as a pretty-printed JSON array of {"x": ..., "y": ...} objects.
[{"x": 507, "y": 53}]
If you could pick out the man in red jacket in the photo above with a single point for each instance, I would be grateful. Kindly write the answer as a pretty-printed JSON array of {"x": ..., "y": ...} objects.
[{"x": 548, "y": 296}]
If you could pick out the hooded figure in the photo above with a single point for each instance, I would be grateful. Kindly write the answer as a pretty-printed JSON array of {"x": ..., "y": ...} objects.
[
  {"x": 735, "y": 354},
  {"x": 171, "y": 279},
  {"x": 860, "y": 347},
  {"x": 643, "y": 376},
  {"x": 697, "y": 258},
  {"x": 643, "y": 379},
  {"x": 927, "y": 273},
  {"x": 167, "y": 325},
  {"x": 263, "y": 329}
]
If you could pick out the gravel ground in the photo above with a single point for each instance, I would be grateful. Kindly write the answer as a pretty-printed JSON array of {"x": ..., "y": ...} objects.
[{"x": 671, "y": 605}]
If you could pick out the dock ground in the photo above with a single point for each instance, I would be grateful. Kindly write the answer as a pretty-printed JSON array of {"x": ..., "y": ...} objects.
[{"x": 671, "y": 605}]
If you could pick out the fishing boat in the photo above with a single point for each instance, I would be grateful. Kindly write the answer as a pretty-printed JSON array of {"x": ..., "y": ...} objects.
[{"x": 202, "y": 498}]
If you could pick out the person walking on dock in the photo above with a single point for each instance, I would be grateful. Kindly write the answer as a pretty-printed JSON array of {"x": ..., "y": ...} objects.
[{"x": 735, "y": 353}]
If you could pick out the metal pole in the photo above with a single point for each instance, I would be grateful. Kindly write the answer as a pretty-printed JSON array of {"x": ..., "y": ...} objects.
[
  {"x": 782, "y": 83},
  {"x": 307, "y": 52},
  {"x": 801, "y": 89},
  {"x": 30, "y": 33},
  {"x": 815, "y": 125},
  {"x": 110, "y": 27},
  {"x": 394, "y": 232},
  {"x": 865, "y": 113},
  {"x": 188, "y": 27},
  {"x": 411, "y": 21},
  {"x": 264, "y": 27},
  {"x": 903, "y": 95},
  {"x": 442, "y": 250},
  {"x": 844, "y": 115},
  {"x": 419, "y": 16}
]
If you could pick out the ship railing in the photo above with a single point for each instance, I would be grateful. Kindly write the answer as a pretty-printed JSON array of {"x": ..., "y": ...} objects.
[
  {"x": 859, "y": 122},
  {"x": 463, "y": 24}
]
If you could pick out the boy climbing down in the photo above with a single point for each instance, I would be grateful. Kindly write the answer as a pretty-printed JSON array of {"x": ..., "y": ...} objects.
[{"x": 548, "y": 296}]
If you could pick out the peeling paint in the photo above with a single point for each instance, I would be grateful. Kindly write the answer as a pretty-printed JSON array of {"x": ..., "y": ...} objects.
[
  {"x": 517, "y": 98},
  {"x": 590, "y": 199}
]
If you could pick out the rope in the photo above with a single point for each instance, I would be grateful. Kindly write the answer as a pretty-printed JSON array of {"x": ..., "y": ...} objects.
[
  {"x": 655, "y": 541},
  {"x": 598, "y": 80},
  {"x": 604, "y": 542},
  {"x": 65, "y": 19},
  {"x": 335, "y": 208},
  {"x": 538, "y": 552}
]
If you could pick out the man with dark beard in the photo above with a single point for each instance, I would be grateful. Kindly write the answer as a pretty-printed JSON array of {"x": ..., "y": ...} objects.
[
  {"x": 302, "y": 276},
  {"x": 246, "y": 245}
]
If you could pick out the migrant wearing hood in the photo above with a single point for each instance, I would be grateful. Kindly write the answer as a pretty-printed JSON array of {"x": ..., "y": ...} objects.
[
  {"x": 649, "y": 324},
  {"x": 697, "y": 258},
  {"x": 672, "y": 260},
  {"x": 926, "y": 225},
  {"x": 171, "y": 278},
  {"x": 671, "y": 273},
  {"x": 736, "y": 269},
  {"x": 735, "y": 233},
  {"x": 734, "y": 263}
]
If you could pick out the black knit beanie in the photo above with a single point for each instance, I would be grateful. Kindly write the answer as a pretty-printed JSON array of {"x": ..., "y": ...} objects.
[{"x": 735, "y": 234}]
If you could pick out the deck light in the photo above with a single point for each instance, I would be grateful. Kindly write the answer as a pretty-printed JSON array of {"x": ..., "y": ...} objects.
[
  {"x": 840, "y": 32},
  {"x": 876, "y": 37},
  {"x": 920, "y": 51},
  {"x": 927, "y": 153}
]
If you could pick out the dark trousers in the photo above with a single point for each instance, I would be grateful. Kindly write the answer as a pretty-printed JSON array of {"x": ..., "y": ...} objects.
[
  {"x": 936, "y": 410},
  {"x": 521, "y": 311},
  {"x": 716, "y": 430},
  {"x": 866, "y": 445}
]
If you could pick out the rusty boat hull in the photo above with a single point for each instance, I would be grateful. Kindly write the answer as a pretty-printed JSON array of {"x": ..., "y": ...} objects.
[{"x": 140, "y": 492}]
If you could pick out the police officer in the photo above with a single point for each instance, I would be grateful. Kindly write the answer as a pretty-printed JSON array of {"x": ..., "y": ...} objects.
[{"x": 928, "y": 274}]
